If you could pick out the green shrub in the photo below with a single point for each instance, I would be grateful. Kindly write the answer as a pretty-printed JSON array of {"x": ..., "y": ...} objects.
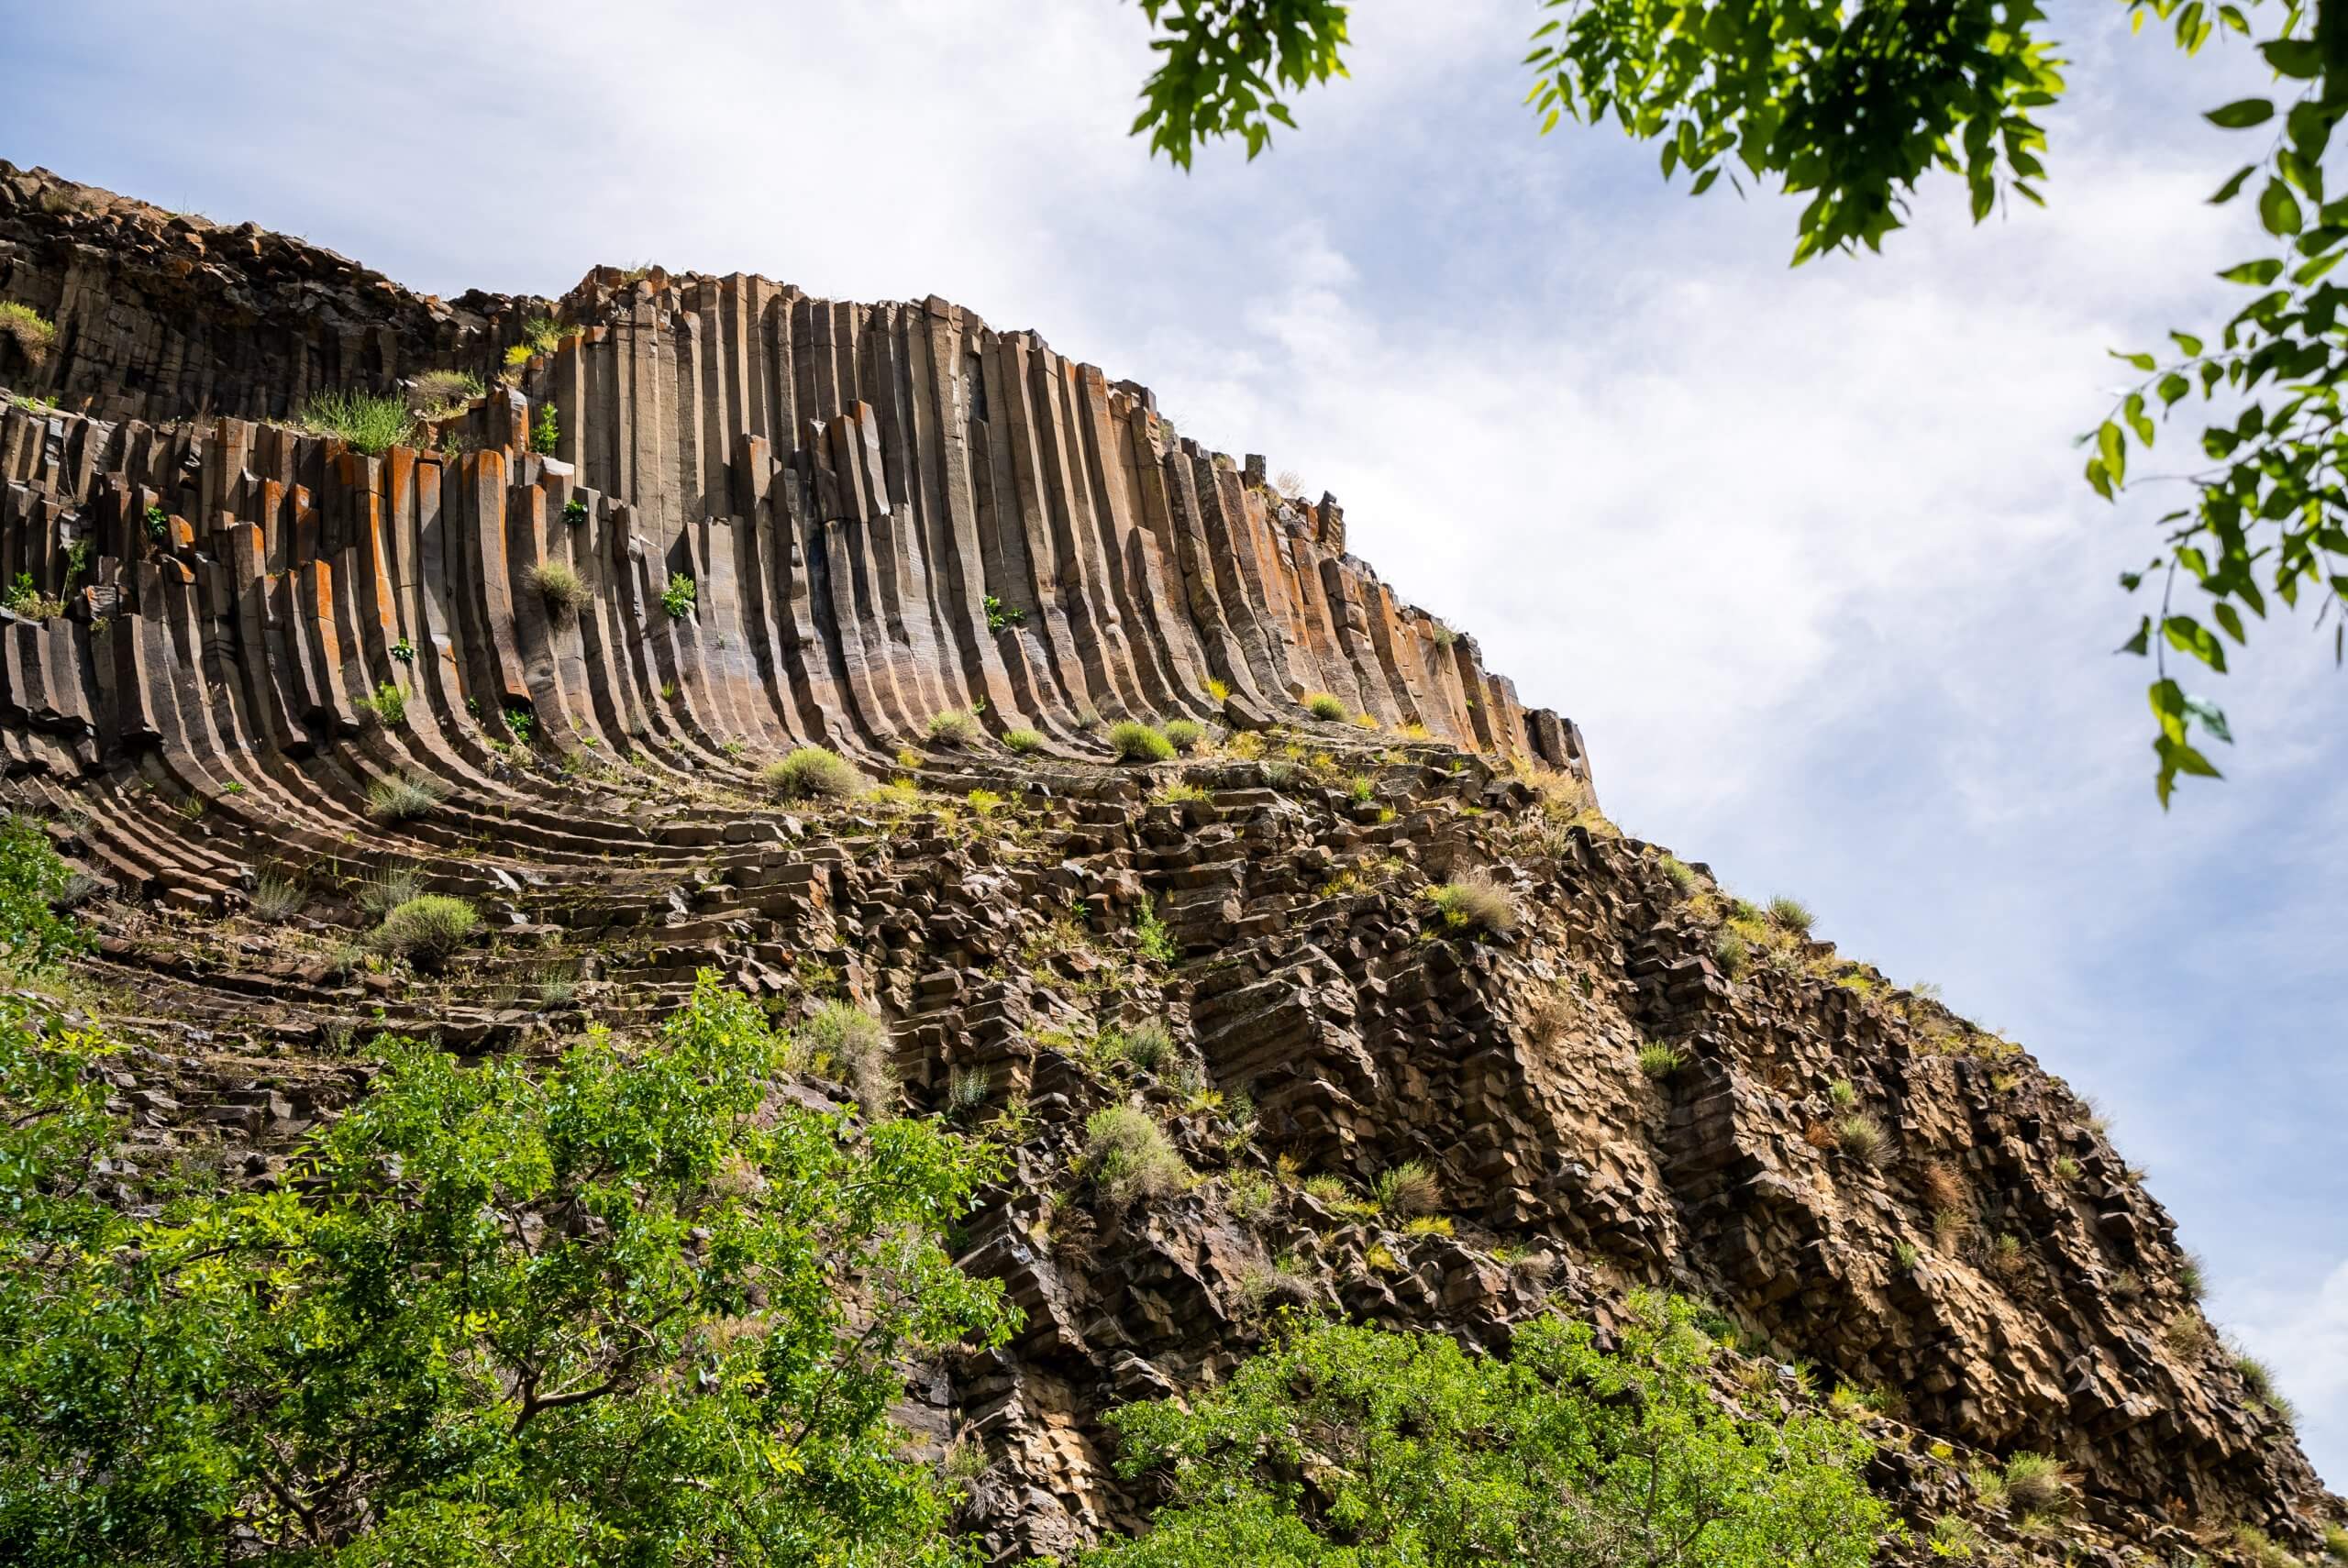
[
  {"x": 512, "y": 1313},
  {"x": 404, "y": 797},
  {"x": 1184, "y": 735},
  {"x": 1790, "y": 916},
  {"x": 276, "y": 899},
  {"x": 436, "y": 394},
  {"x": 1731, "y": 952},
  {"x": 2335, "y": 1543},
  {"x": 1862, "y": 1137},
  {"x": 2036, "y": 1485},
  {"x": 559, "y": 585},
  {"x": 33, "y": 332},
  {"x": 1129, "y": 1156},
  {"x": 858, "y": 1043},
  {"x": 1682, "y": 875},
  {"x": 427, "y": 928},
  {"x": 1336, "y": 1435},
  {"x": 1134, "y": 740},
  {"x": 1322, "y": 705},
  {"x": 546, "y": 433},
  {"x": 389, "y": 705},
  {"x": 955, "y": 728},
  {"x": 1149, "y": 1045},
  {"x": 1407, "y": 1190},
  {"x": 679, "y": 596},
  {"x": 812, "y": 773},
  {"x": 1473, "y": 901},
  {"x": 370, "y": 424},
  {"x": 1842, "y": 1095},
  {"x": 1000, "y": 616},
  {"x": 1022, "y": 741},
  {"x": 33, "y": 880},
  {"x": 1157, "y": 943},
  {"x": 1661, "y": 1062}
]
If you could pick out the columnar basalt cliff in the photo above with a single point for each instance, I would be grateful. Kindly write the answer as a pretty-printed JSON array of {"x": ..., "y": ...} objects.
[{"x": 886, "y": 513}]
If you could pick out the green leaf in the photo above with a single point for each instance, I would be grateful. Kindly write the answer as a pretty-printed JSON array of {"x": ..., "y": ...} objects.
[
  {"x": 2212, "y": 720},
  {"x": 2278, "y": 210},
  {"x": 2241, "y": 114},
  {"x": 2141, "y": 361},
  {"x": 2233, "y": 187},
  {"x": 2188, "y": 342},
  {"x": 2256, "y": 273},
  {"x": 2190, "y": 637},
  {"x": 2112, "y": 447},
  {"x": 2299, "y": 58},
  {"x": 2173, "y": 387}
]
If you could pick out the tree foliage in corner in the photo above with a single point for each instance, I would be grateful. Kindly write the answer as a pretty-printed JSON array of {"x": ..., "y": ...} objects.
[
  {"x": 1360, "y": 1448},
  {"x": 498, "y": 1316},
  {"x": 1854, "y": 105}
]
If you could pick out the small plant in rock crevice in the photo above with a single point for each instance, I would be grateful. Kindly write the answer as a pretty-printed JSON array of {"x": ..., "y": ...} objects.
[
  {"x": 546, "y": 434},
  {"x": 560, "y": 588},
  {"x": 426, "y": 929},
  {"x": 388, "y": 704},
  {"x": 1134, "y": 740},
  {"x": 574, "y": 511},
  {"x": 32, "y": 332},
  {"x": 1323, "y": 706},
  {"x": 1129, "y": 1156},
  {"x": 679, "y": 596},
  {"x": 1661, "y": 1062},
  {"x": 1407, "y": 1190},
  {"x": 1150, "y": 935},
  {"x": 1001, "y": 616},
  {"x": 1020, "y": 741},
  {"x": 1184, "y": 735},
  {"x": 369, "y": 423},
  {"x": 813, "y": 773},
  {"x": 956, "y": 728},
  {"x": 405, "y": 797},
  {"x": 1474, "y": 902}
]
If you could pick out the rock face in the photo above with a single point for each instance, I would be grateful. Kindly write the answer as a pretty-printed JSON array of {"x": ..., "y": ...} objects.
[{"x": 885, "y": 514}]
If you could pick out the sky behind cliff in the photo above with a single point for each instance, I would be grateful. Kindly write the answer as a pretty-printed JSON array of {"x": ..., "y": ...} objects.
[{"x": 1804, "y": 552}]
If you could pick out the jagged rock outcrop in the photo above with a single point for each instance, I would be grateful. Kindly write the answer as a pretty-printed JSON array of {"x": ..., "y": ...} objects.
[{"x": 889, "y": 512}]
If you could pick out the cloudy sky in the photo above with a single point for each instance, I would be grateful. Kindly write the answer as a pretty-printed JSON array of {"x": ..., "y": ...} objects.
[{"x": 1804, "y": 551}]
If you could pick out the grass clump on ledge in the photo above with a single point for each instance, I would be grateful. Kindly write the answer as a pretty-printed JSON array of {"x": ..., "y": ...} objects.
[
  {"x": 1661, "y": 1062},
  {"x": 427, "y": 928},
  {"x": 1790, "y": 916},
  {"x": 1407, "y": 1191},
  {"x": 1185, "y": 735},
  {"x": 1134, "y": 740},
  {"x": 406, "y": 798},
  {"x": 436, "y": 394},
  {"x": 559, "y": 585},
  {"x": 1473, "y": 901},
  {"x": 813, "y": 773},
  {"x": 955, "y": 728},
  {"x": 1862, "y": 1137},
  {"x": 372, "y": 424},
  {"x": 1129, "y": 1157},
  {"x": 855, "y": 1046},
  {"x": 1022, "y": 741},
  {"x": 33, "y": 333},
  {"x": 1322, "y": 705},
  {"x": 681, "y": 596}
]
